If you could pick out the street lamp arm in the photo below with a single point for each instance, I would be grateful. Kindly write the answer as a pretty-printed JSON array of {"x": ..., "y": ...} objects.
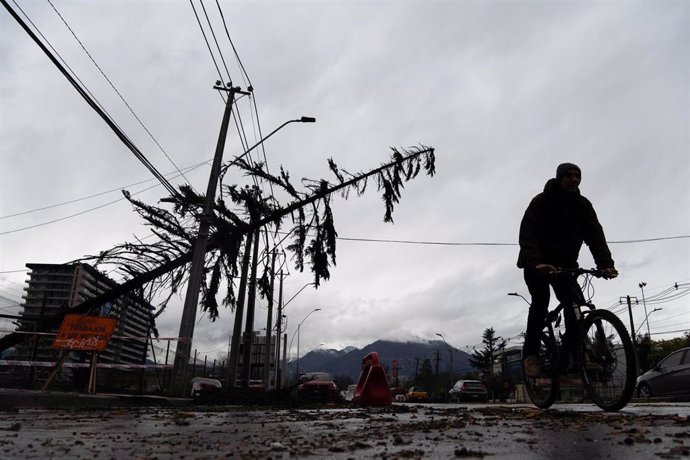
[
  {"x": 646, "y": 320},
  {"x": 297, "y": 120},
  {"x": 298, "y": 326},
  {"x": 308, "y": 315},
  {"x": 519, "y": 295},
  {"x": 301, "y": 289}
]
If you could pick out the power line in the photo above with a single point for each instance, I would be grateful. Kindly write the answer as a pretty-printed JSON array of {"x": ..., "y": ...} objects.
[
  {"x": 11, "y": 290},
  {"x": 92, "y": 103},
  {"x": 248, "y": 82},
  {"x": 430, "y": 243},
  {"x": 74, "y": 74},
  {"x": 450, "y": 243},
  {"x": 668, "y": 318},
  {"x": 7, "y": 232},
  {"x": 671, "y": 332},
  {"x": 188, "y": 169},
  {"x": 646, "y": 240},
  {"x": 207, "y": 44},
  {"x": 213, "y": 34},
  {"x": 117, "y": 91}
]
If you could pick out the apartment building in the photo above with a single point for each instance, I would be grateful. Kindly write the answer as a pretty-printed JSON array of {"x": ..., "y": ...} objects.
[{"x": 54, "y": 288}]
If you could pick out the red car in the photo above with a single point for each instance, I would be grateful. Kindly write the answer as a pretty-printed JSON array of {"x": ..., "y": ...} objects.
[{"x": 317, "y": 386}]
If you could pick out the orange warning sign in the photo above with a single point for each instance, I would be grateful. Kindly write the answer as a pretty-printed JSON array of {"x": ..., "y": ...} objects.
[{"x": 79, "y": 332}]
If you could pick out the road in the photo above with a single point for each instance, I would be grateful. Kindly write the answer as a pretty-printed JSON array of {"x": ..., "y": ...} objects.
[{"x": 399, "y": 431}]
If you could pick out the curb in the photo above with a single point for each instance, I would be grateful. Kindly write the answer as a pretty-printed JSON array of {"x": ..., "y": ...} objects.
[{"x": 34, "y": 399}]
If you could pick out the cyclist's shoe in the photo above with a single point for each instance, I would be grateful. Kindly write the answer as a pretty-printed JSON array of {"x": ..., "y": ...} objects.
[{"x": 533, "y": 366}]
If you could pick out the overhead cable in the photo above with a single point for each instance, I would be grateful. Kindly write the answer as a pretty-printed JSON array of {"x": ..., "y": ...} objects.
[
  {"x": 7, "y": 232},
  {"x": 213, "y": 34},
  {"x": 120, "y": 134},
  {"x": 117, "y": 91},
  {"x": 213, "y": 57},
  {"x": 187, "y": 169},
  {"x": 245, "y": 76}
]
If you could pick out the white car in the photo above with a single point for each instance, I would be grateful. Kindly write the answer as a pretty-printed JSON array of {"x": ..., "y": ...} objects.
[{"x": 202, "y": 386}]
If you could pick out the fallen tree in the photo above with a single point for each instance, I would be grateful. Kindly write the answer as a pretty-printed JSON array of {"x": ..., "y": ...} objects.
[{"x": 162, "y": 265}]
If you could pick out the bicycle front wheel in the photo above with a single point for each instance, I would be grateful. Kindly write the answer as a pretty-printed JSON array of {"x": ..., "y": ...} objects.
[
  {"x": 607, "y": 360},
  {"x": 543, "y": 389}
]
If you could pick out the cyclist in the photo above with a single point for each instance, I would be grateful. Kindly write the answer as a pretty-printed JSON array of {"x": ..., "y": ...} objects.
[{"x": 555, "y": 224}]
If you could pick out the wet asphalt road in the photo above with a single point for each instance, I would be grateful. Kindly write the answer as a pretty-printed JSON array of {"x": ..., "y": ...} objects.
[{"x": 400, "y": 431}]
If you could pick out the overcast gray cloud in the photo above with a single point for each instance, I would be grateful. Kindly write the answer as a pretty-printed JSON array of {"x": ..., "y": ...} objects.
[{"x": 503, "y": 90}]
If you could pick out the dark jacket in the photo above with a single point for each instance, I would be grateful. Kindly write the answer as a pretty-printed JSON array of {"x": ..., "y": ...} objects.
[{"x": 555, "y": 225}]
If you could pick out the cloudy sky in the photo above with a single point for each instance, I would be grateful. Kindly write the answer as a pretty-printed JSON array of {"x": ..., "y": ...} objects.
[{"x": 503, "y": 90}]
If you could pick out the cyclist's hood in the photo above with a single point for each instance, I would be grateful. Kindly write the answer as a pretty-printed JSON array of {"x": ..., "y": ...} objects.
[{"x": 553, "y": 188}]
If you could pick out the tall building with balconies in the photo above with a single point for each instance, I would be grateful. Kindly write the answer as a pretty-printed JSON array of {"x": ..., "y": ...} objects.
[{"x": 56, "y": 288}]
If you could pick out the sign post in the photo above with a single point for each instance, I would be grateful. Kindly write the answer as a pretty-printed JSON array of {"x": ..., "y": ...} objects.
[{"x": 82, "y": 333}]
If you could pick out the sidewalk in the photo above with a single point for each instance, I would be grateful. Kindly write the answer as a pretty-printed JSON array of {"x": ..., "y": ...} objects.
[{"x": 12, "y": 399}]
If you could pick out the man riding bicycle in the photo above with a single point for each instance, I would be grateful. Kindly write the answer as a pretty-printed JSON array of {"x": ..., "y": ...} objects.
[{"x": 555, "y": 224}]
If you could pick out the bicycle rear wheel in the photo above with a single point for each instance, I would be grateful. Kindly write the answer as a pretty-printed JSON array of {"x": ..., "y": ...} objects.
[
  {"x": 543, "y": 390},
  {"x": 607, "y": 360}
]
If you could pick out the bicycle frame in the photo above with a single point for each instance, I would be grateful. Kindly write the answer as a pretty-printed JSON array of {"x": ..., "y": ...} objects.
[
  {"x": 577, "y": 302},
  {"x": 598, "y": 342}
]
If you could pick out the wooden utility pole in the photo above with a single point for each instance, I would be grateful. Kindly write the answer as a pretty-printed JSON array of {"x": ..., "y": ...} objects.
[{"x": 191, "y": 303}]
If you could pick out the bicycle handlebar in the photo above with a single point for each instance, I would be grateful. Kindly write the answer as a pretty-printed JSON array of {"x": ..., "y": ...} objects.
[{"x": 575, "y": 272}]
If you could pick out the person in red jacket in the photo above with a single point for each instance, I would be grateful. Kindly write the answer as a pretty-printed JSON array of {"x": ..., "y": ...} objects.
[{"x": 555, "y": 224}]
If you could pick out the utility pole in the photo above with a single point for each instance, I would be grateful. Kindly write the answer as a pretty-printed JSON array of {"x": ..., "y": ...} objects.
[
  {"x": 438, "y": 359},
  {"x": 628, "y": 299},
  {"x": 491, "y": 369},
  {"x": 269, "y": 322},
  {"x": 249, "y": 322},
  {"x": 184, "y": 345},
  {"x": 279, "y": 330},
  {"x": 239, "y": 313},
  {"x": 284, "y": 368}
]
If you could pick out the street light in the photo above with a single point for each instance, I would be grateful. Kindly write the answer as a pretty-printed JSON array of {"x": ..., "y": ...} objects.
[
  {"x": 301, "y": 289},
  {"x": 646, "y": 320},
  {"x": 279, "y": 372},
  {"x": 644, "y": 304},
  {"x": 450, "y": 353},
  {"x": 298, "y": 328},
  {"x": 297, "y": 120},
  {"x": 519, "y": 295}
]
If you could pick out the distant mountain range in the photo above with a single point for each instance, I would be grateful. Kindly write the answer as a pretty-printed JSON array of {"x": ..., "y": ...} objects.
[{"x": 410, "y": 357}]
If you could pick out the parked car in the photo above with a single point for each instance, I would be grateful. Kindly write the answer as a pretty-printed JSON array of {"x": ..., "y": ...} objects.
[
  {"x": 254, "y": 386},
  {"x": 349, "y": 393},
  {"x": 468, "y": 390},
  {"x": 417, "y": 394},
  {"x": 671, "y": 377},
  {"x": 203, "y": 388},
  {"x": 317, "y": 386},
  {"x": 398, "y": 394}
]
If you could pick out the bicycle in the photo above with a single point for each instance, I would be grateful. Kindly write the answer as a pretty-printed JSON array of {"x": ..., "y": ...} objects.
[{"x": 603, "y": 352}]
